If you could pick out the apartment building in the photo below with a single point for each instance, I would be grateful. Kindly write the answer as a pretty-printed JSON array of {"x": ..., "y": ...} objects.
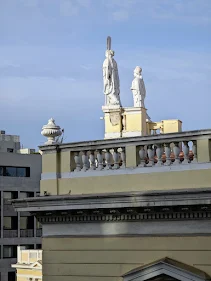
[
  {"x": 29, "y": 265},
  {"x": 20, "y": 172}
]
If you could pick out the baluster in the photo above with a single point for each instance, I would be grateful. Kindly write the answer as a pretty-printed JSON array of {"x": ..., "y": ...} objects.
[
  {"x": 194, "y": 150},
  {"x": 92, "y": 161},
  {"x": 186, "y": 153},
  {"x": 150, "y": 152},
  {"x": 142, "y": 155},
  {"x": 123, "y": 157},
  {"x": 77, "y": 162},
  {"x": 176, "y": 150},
  {"x": 167, "y": 154},
  {"x": 116, "y": 158},
  {"x": 159, "y": 153},
  {"x": 99, "y": 160},
  {"x": 84, "y": 161},
  {"x": 108, "y": 159}
]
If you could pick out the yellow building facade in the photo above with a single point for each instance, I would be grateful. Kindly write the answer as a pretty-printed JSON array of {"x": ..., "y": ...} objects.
[
  {"x": 29, "y": 265},
  {"x": 133, "y": 206}
]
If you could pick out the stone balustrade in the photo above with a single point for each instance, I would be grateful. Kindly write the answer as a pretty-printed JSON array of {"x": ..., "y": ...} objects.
[
  {"x": 163, "y": 150},
  {"x": 100, "y": 159},
  {"x": 154, "y": 154},
  {"x": 154, "y": 150}
]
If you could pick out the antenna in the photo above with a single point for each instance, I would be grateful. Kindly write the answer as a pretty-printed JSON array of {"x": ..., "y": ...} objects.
[{"x": 62, "y": 137}]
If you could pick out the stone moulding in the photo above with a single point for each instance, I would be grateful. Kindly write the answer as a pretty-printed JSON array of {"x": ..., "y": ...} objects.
[
  {"x": 118, "y": 201},
  {"x": 166, "y": 267},
  {"x": 154, "y": 216},
  {"x": 122, "y": 142}
]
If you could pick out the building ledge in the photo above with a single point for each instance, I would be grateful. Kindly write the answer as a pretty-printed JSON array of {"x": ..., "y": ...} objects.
[{"x": 180, "y": 197}]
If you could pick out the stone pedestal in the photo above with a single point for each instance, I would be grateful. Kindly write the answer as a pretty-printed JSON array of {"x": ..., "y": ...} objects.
[
  {"x": 113, "y": 121},
  {"x": 134, "y": 122}
]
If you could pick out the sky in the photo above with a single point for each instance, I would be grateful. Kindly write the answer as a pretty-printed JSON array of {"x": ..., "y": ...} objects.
[{"x": 51, "y": 55}]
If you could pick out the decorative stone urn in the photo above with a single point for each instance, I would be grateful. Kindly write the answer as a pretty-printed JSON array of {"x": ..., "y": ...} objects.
[{"x": 51, "y": 131}]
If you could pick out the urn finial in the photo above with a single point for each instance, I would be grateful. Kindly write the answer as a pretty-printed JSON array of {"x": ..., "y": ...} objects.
[{"x": 51, "y": 131}]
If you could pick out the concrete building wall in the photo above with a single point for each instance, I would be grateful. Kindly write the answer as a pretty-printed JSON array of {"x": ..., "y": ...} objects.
[
  {"x": 19, "y": 185},
  {"x": 108, "y": 258},
  {"x": 9, "y": 142},
  {"x": 129, "y": 182}
]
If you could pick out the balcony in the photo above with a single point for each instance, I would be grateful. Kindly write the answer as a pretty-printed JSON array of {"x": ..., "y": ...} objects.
[
  {"x": 10, "y": 233},
  {"x": 39, "y": 232},
  {"x": 27, "y": 233}
]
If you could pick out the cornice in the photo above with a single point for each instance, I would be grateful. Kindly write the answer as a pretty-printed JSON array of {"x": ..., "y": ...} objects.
[
  {"x": 115, "y": 200},
  {"x": 121, "y": 142},
  {"x": 126, "y": 215}
]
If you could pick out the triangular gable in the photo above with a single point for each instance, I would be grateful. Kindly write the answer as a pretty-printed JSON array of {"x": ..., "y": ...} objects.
[
  {"x": 169, "y": 267},
  {"x": 37, "y": 265}
]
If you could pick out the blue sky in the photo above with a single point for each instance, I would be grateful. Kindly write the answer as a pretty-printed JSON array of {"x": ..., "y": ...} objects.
[{"x": 51, "y": 55}]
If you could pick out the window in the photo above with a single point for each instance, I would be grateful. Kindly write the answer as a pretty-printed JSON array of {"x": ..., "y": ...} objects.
[
  {"x": 21, "y": 172},
  {"x": 11, "y": 276},
  {"x": 10, "y": 150},
  {"x": 8, "y": 195},
  {"x": 7, "y": 223},
  {"x": 38, "y": 246},
  {"x": 38, "y": 224},
  {"x": 8, "y": 171},
  {"x": 26, "y": 195},
  {"x": 23, "y": 222},
  {"x": 10, "y": 223},
  {"x": 10, "y": 252}
]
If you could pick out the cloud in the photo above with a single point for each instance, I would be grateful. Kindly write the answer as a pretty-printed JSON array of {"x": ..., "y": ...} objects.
[
  {"x": 86, "y": 67},
  {"x": 121, "y": 15},
  {"x": 31, "y": 3},
  {"x": 68, "y": 8},
  {"x": 73, "y": 7},
  {"x": 196, "y": 12}
]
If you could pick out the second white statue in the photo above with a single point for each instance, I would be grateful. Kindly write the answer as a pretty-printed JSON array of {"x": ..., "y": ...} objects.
[{"x": 138, "y": 88}]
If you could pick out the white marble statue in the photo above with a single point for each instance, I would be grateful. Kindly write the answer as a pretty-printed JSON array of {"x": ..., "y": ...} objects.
[
  {"x": 138, "y": 88},
  {"x": 111, "y": 78}
]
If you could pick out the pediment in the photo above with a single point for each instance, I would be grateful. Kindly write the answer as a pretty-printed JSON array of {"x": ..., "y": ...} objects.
[
  {"x": 37, "y": 265},
  {"x": 168, "y": 270}
]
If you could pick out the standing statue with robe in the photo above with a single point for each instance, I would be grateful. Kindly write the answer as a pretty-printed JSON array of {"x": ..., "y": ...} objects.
[
  {"x": 138, "y": 88},
  {"x": 111, "y": 78}
]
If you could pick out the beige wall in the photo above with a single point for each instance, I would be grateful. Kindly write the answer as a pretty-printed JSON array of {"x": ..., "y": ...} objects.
[
  {"x": 107, "y": 259},
  {"x": 137, "y": 182}
]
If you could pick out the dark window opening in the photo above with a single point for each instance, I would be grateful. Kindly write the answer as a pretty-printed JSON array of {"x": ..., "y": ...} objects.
[
  {"x": 10, "y": 223},
  {"x": 26, "y": 223},
  {"x": 9, "y": 252},
  {"x": 24, "y": 195},
  {"x": 11, "y": 150},
  {"x": 9, "y": 195},
  {"x": 11, "y": 276},
  {"x": 8, "y": 171},
  {"x": 28, "y": 247}
]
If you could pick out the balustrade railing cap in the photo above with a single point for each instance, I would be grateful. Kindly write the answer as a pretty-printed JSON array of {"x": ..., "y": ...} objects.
[{"x": 122, "y": 142}]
